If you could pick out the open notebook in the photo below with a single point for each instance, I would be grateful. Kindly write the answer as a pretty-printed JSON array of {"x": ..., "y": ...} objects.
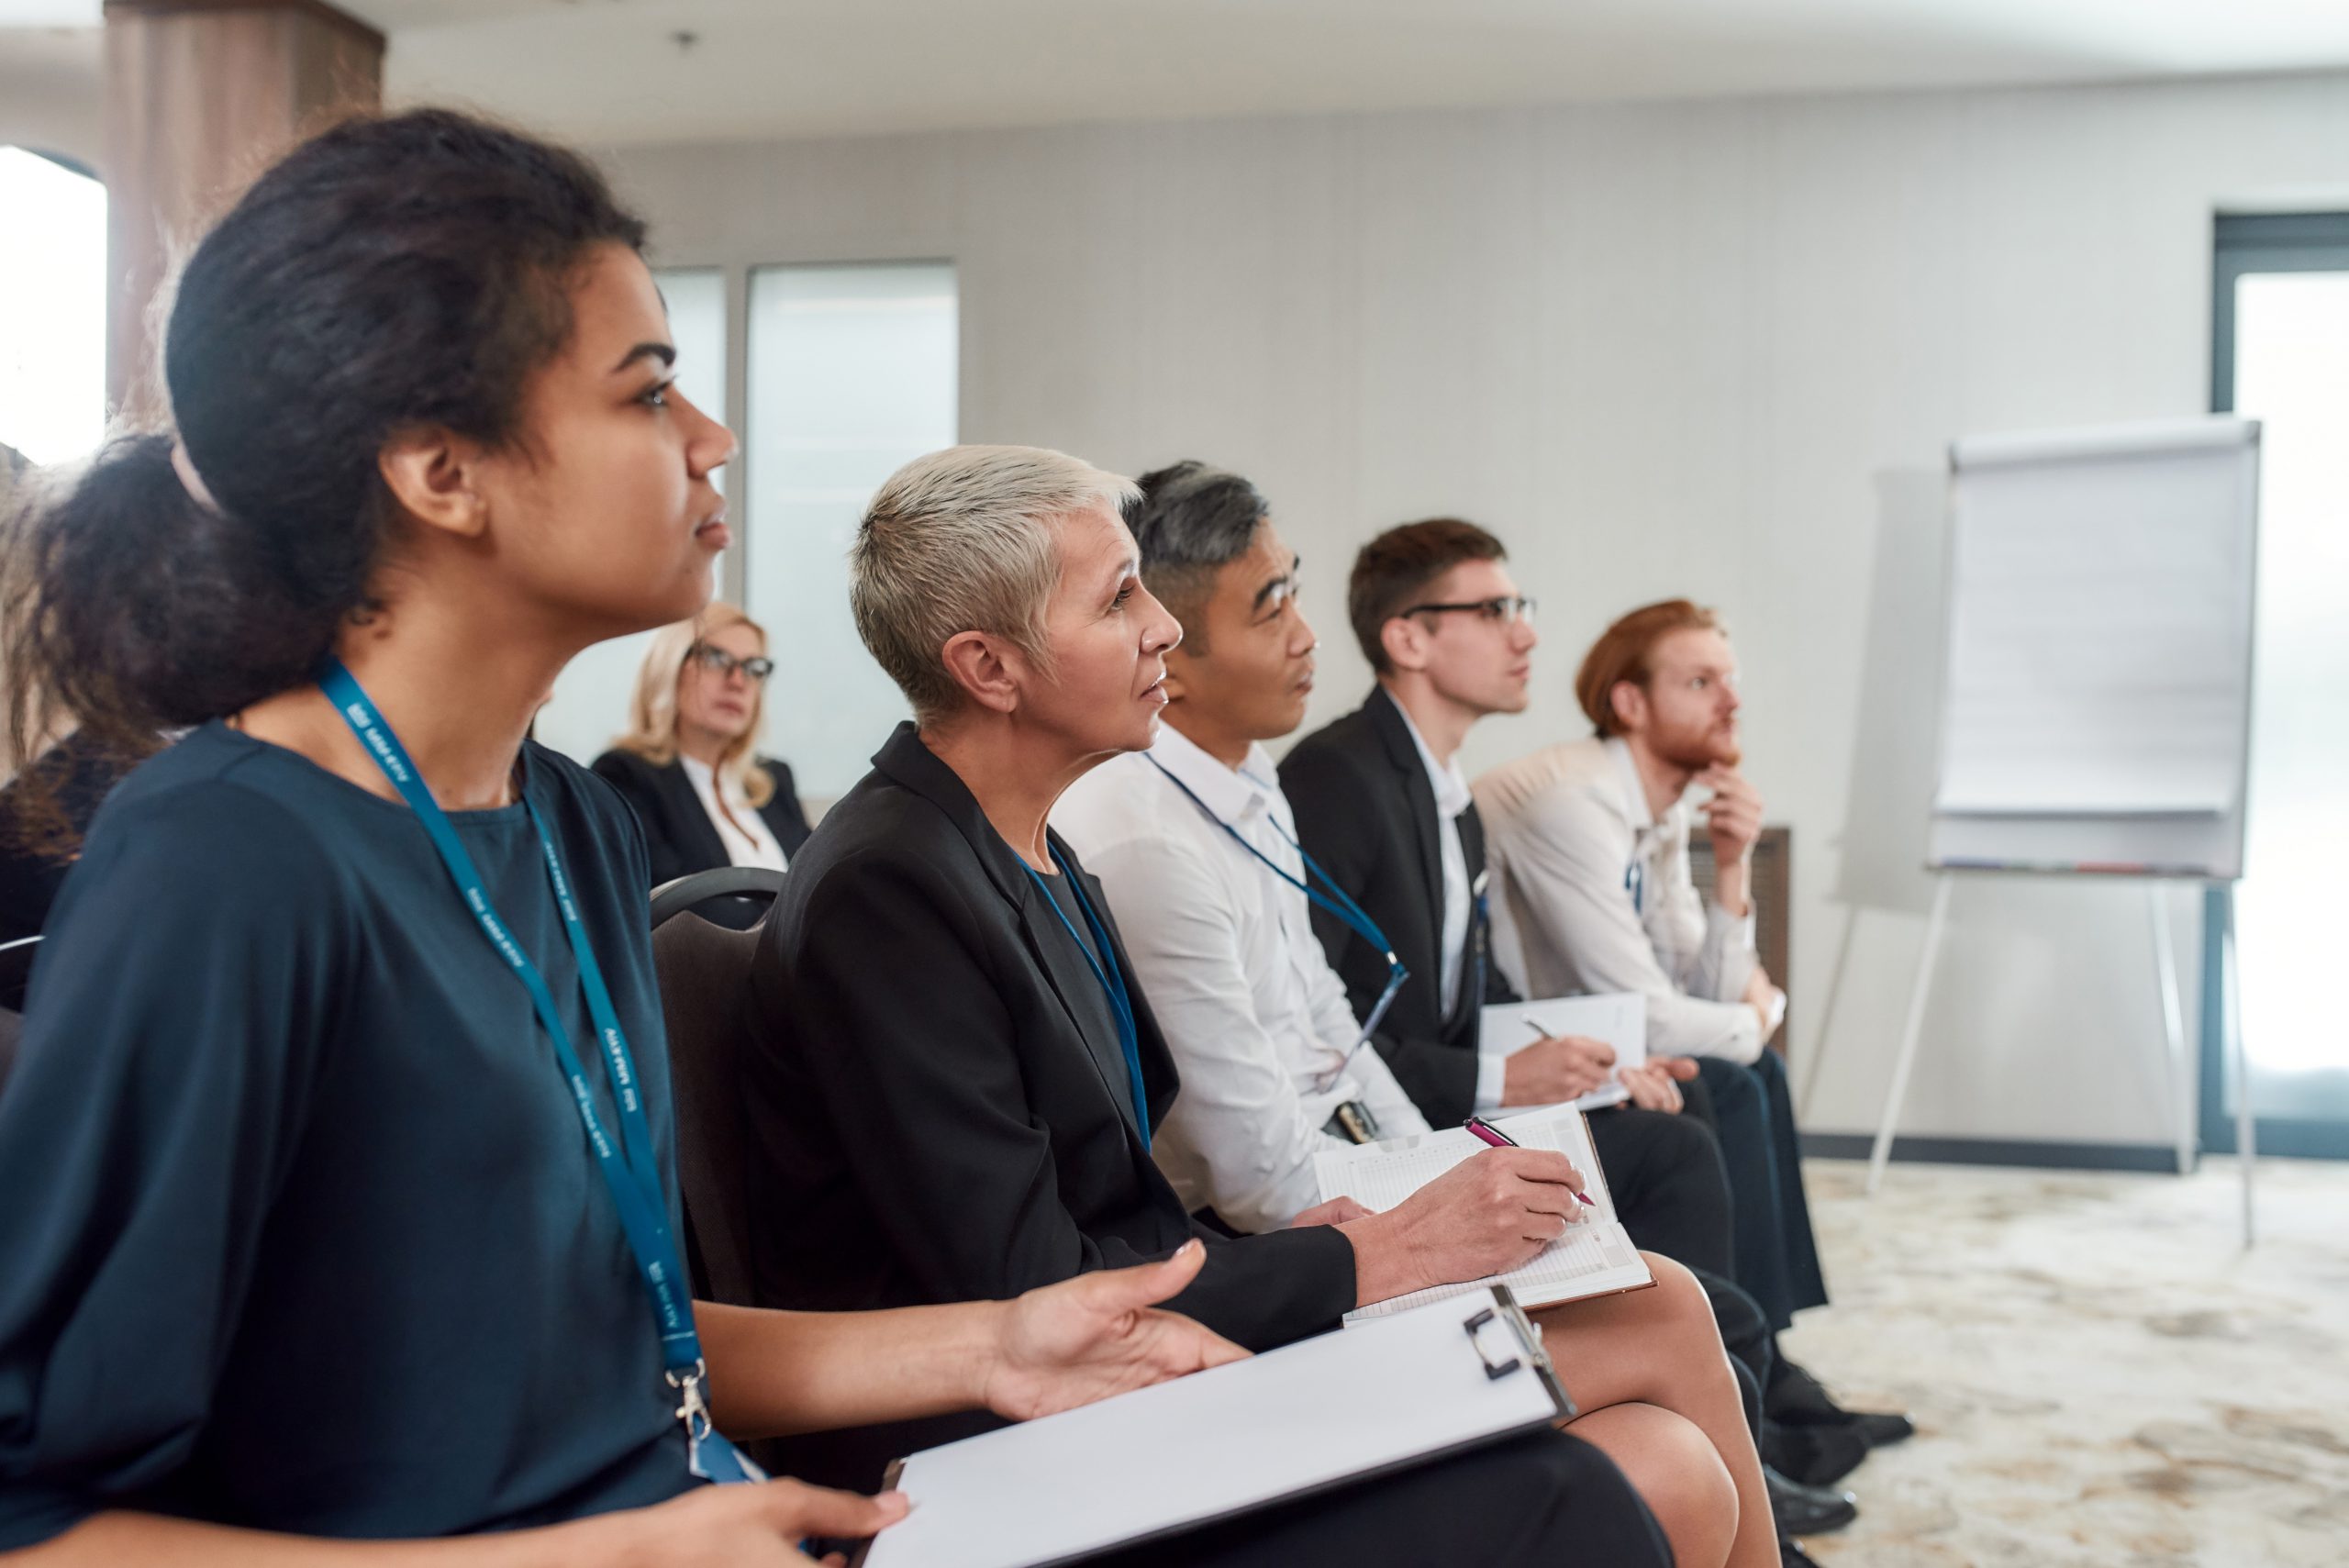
[
  {"x": 1322, "y": 1413},
  {"x": 1618, "y": 1017},
  {"x": 1593, "y": 1258}
]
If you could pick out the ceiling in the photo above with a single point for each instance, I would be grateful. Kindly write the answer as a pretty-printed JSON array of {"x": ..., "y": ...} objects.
[{"x": 618, "y": 71}]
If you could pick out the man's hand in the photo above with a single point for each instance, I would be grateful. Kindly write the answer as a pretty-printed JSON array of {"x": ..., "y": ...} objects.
[
  {"x": 1088, "y": 1337},
  {"x": 1769, "y": 1003},
  {"x": 1655, "y": 1085},
  {"x": 1486, "y": 1216},
  {"x": 1551, "y": 1072},
  {"x": 755, "y": 1525},
  {"x": 1733, "y": 815},
  {"x": 1336, "y": 1211}
]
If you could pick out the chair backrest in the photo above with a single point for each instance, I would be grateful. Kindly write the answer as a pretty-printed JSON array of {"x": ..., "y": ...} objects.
[
  {"x": 704, "y": 972},
  {"x": 17, "y": 970}
]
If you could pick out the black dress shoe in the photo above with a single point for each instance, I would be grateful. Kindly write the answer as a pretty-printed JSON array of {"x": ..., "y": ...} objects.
[
  {"x": 1807, "y": 1510},
  {"x": 1815, "y": 1456},
  {"x": 1793, "y": 1556},
  {"x": 1795, "y": 1398}
]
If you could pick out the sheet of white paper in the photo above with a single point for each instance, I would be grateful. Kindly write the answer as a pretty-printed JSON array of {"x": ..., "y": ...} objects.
[
  {"x": 1209, "y": 1444},
  {"x": 1594, "y": 1257},
  {"x": 2099, "y": 633},
  {"x": 1618, "y": 1017}
]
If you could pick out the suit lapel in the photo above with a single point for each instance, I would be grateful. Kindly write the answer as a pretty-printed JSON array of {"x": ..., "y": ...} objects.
[
  {"x": 913, "y": 764},
  {"x": 1474, "y": 962},
  {"x": 1403, "y": 754},
  {"x": 1070, "y": 976},
  {"x": 698, "y": 835}
]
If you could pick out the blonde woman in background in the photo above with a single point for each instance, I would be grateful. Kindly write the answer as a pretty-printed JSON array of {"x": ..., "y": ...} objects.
[{"x": 688, "y": 764}]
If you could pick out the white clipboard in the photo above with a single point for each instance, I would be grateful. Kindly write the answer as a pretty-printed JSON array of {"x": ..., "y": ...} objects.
[{"x": 1310, "y": 1417}]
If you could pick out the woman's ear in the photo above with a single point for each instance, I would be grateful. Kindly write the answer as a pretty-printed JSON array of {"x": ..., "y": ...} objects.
[
  {"x": 436, "y": 477},
  {"x": 983, "y": 670}
]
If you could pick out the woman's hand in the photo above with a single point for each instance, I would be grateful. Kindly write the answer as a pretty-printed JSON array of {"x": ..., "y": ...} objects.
[
  {"x": 1088, "y": 1337},
  {"x": 756, "y": 1525}
]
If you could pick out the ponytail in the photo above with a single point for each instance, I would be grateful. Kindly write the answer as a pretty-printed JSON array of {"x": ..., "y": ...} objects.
[{"x": 391, "y": 274}]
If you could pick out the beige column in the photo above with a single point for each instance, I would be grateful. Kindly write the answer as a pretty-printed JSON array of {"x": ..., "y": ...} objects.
[{"x": 200, "y": 95}]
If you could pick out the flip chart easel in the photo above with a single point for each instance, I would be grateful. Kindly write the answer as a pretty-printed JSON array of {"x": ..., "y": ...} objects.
[{"x": 2095, "y": 695}]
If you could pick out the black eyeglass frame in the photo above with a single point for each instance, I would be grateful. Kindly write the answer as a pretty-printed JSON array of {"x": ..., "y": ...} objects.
[
  {"x": 1504, "y": 609},
  {"x": 719, "y": 662}
]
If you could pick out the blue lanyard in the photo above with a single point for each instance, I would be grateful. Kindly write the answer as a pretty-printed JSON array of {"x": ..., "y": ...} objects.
[
  {"x": 1337, "y": 901},
  {"x": 1635, "y": 883},
  {"x": 628, "y": 1170},
  {"x": 1113, "y": 982}
]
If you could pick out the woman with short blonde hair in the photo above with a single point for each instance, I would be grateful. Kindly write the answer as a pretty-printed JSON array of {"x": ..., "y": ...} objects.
[{"x": 689, "y": 764}]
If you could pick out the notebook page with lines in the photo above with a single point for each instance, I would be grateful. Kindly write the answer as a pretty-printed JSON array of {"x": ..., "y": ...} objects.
[{"x": 1595, "y": 1257}]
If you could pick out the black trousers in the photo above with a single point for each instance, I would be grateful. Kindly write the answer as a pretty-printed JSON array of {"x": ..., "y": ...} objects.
[
  {"x": 1548, "y": 1499},
  {"x": 1671, "y": 1189},
  {"x": 1752, "y": 1114},
  {"x": 1753, "y": 1349},
  {"x": 1672, "y": 1193}
]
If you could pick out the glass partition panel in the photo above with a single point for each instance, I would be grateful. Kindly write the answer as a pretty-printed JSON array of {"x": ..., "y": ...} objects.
[{"x": 853, "y": 373}]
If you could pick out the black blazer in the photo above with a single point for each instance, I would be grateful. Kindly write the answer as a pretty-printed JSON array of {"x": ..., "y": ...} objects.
[
  {"x": 80, "y": 771},
  {"x": 1366, "y": 812},
  {"x": 931, "y": 1121},
  {"x": 677, "y": 831}
]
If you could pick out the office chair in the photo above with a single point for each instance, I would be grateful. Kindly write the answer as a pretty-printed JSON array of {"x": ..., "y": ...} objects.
[{"x": 704, "y": 972}]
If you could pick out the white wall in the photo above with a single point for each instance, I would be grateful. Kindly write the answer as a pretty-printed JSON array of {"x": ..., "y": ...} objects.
[{"x": 1704, "y": 349}]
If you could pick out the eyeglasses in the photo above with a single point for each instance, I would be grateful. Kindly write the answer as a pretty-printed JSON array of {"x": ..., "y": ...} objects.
[
  {"x": 720, "y": 663},
  {"x": 1508, "y": 610}
]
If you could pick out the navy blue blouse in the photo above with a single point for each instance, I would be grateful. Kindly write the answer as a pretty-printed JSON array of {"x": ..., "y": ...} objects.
[{"x": 298, "y": 1228}]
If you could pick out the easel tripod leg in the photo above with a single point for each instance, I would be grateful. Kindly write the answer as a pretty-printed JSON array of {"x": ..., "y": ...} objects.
[
  {"x": 1910, "y": 1033},
  {"x": 1827, "y": 1017},
  {"x": 2181, "y": 1068},
  {"x": 2238, "y": 1061}
]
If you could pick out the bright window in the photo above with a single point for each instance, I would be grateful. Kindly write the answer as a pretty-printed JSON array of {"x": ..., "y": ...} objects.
[
  {"x": 853, "y": 373},
  {"x": 2292, "y": 374},
  {"x": 52, "y": 309}
]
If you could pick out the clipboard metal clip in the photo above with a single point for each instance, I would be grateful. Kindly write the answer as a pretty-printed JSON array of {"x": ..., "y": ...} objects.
[
  {"x": 1493, "y": 1369},
  {"x": 1505, "y": 1312}
]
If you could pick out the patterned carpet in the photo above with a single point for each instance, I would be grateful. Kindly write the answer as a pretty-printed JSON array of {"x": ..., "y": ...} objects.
[{"x": 2101, "y": 1376}]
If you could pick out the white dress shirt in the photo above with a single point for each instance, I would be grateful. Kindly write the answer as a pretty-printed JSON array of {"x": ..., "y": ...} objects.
[
  {"x": 748, "y": 839},
  {"x": 1590, "y": 892},
  {"x": 1225, "y": 952},
  {"x": 1453, "y": 798}
]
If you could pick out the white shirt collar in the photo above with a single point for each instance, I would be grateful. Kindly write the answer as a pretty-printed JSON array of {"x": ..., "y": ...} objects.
[
  {"x": 1450, "y": 785},
  {"x": 1635, "y": 794},
  {"x": 1233, "y": 794}
]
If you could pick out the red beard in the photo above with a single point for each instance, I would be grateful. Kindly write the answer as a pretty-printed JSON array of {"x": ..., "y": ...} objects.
[{"x": 1696, "y": 750}]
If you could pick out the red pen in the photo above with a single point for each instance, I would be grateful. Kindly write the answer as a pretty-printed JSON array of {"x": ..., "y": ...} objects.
[{"x": 1485, "y": 1131}]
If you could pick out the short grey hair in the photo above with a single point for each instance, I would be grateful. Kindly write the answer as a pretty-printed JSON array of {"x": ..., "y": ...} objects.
[{"x": 963, "y": 541}]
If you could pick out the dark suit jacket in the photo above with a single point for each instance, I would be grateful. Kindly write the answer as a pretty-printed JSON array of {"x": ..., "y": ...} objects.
[
  {"x": 677, "y": 831},
  {"x": 929, "y": 1120},
  {"x": 1366, "y": 812},
  {"x": 79, "y": 772}
]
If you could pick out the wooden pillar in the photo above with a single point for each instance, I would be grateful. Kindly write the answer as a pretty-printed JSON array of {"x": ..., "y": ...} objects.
[{"x": 200, "y": 96}]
